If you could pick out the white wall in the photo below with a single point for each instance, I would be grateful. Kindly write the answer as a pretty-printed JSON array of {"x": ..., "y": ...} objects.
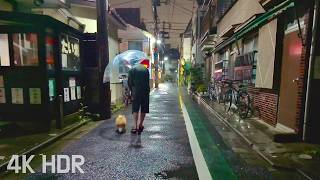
[
  {"x": 241, "y": 11},
  {"x": 266, "y": 55},
  {"x": 187, "y": 49}
]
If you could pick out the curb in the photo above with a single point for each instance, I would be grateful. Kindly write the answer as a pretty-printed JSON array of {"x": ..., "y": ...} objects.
[
  {"x": 3, "y": 167},
  {"x": 248, "y": 141}
]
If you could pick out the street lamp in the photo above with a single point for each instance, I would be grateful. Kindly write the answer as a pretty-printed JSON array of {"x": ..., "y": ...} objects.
[
  {"x": 159, "y": 41},
  {"x": 166, "y": 58}
]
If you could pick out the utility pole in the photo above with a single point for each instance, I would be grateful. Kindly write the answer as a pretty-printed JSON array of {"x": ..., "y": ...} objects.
[
  {"x": 156, "y": 33},
  {"x": 103, "y": 59}
]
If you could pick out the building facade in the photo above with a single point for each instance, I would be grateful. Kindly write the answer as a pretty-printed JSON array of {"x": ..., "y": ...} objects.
[{"x": 265, "y": 45}]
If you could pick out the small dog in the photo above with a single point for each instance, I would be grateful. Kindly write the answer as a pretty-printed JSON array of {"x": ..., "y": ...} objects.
[{"x": 121, "y": 123}]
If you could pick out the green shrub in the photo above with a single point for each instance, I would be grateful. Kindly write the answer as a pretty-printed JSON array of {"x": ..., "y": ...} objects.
[{"x": 201, "y": 88}]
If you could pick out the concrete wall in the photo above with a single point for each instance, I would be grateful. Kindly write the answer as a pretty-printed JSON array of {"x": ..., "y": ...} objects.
[
  {"x": 187, "y": 49},
  {"x": 241, "y": 11},
  {"x": 266, "y": 55}
]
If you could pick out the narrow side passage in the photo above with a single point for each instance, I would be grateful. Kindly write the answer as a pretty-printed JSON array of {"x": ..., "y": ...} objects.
[
  {"x": 200, "y": 162},
  {"x": 219, "y": 151},
  {"x": 216, "y": 166}
]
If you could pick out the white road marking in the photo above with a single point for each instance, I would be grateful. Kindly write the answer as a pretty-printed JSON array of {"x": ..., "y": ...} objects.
[{"x": 201, "y": 165}]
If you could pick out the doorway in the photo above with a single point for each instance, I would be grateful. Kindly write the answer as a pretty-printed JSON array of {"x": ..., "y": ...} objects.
[{"x": 292, "y": 50}]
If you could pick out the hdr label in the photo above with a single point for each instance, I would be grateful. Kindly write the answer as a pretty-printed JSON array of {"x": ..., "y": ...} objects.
[{"x": 59, "y": 164}]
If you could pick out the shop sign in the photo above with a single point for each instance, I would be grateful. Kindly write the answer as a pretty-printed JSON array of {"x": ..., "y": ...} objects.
[
  {"x": 52, "y": 87},
  {"x": 70, "y": 50},
  {"x": 73, "y": 93},
  {"x": 35, "y": 95},
  {"x": 66, "y": 94},
  {"x": 17, "y": 95}
]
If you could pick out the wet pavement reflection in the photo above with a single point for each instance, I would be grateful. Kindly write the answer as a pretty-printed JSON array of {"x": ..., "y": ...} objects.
[{"x": 162, "y": 151}]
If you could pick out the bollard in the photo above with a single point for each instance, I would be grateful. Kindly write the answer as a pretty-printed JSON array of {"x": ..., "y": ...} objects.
[{"x": 59, "y": 112}]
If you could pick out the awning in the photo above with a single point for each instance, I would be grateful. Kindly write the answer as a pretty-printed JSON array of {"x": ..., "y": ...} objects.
[
  {"x": 259, "y": 21},
  {"x": 265, "y": 17}
]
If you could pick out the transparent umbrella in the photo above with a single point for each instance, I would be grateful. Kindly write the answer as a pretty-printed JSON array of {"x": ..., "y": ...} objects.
[{"x": 121, "y": 64}]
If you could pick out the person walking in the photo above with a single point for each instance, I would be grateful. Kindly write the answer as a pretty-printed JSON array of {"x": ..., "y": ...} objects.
[{"x": 138, "y": 81}]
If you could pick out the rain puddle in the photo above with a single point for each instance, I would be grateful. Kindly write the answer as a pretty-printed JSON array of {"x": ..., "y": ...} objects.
[{"x": 182, "y": 173}]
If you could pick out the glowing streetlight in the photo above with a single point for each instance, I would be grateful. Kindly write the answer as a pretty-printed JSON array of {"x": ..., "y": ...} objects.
[
  {"x": 166, "y": 58},
  {"x": 159, "y": 41}
]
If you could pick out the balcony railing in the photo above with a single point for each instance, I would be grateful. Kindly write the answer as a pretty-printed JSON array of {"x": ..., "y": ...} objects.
[{"x": 208, "y": 22}]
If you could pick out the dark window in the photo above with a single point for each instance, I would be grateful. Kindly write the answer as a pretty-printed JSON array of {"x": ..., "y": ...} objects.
[{"x": 49, "y": 52}]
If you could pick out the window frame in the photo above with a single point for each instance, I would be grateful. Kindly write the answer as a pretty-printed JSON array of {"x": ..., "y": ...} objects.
[{"x": 38, "y": 47}]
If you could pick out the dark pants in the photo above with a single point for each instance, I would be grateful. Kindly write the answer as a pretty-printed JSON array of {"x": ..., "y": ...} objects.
[{"x": 140, "y": 102}]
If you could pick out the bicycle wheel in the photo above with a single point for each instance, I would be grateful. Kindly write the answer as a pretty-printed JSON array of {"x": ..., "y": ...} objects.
[
  {"x": 227, "y": 100},
  {"x": 218, "y": 95},
  {"x": 210, "y": 93},
  {"x": 243, "y": 105}
]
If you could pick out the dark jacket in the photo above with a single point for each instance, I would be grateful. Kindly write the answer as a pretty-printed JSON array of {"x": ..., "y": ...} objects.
[{"x": 138, "y": 80}]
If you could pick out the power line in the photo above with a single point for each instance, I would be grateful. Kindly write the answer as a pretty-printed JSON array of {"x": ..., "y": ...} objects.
[{"x": 172, "y": 13}]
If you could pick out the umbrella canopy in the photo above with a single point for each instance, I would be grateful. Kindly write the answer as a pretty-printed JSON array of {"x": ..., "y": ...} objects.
[{"x": 121, "y": 65}]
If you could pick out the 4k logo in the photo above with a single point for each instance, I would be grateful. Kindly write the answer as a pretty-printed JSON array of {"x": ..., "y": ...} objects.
[
  {"x": 58, "y": 164},
  {"x": 14, "y": 164}
]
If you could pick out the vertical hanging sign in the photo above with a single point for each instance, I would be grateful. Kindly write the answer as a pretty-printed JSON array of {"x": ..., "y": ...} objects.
[
  {"x": 73, "y": 93},
  {"x": 66, "y": 94}
]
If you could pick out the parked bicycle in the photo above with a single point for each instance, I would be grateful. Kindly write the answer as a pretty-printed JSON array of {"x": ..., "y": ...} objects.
[{"x": 236, "y": 96}]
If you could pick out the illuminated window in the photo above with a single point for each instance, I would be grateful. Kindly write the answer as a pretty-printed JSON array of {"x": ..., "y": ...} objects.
[
  {"x": 49, "y": 52},
  {"x": 25, "y": 48},
  {"x": 70, "y": 53},
  {"x": 4, "y": 50}
]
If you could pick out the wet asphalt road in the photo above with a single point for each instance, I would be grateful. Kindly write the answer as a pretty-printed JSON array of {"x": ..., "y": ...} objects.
[{"x": 162, "y": 151}]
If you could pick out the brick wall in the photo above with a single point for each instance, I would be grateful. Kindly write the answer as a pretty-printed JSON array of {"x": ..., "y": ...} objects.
[
  {"x": 265, "y": 101},
  {"x": 303, "y": 71},
  {"x": 265, "y": 104}
]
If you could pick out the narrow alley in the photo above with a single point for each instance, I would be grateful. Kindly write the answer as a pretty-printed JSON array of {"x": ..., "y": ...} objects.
[
  {"x": 159, "y": 89},
  {"x": 163, "y": 150}
]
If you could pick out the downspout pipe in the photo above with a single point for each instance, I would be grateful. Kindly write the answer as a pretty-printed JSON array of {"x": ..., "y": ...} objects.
[{"x": 310, "y": 69}]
